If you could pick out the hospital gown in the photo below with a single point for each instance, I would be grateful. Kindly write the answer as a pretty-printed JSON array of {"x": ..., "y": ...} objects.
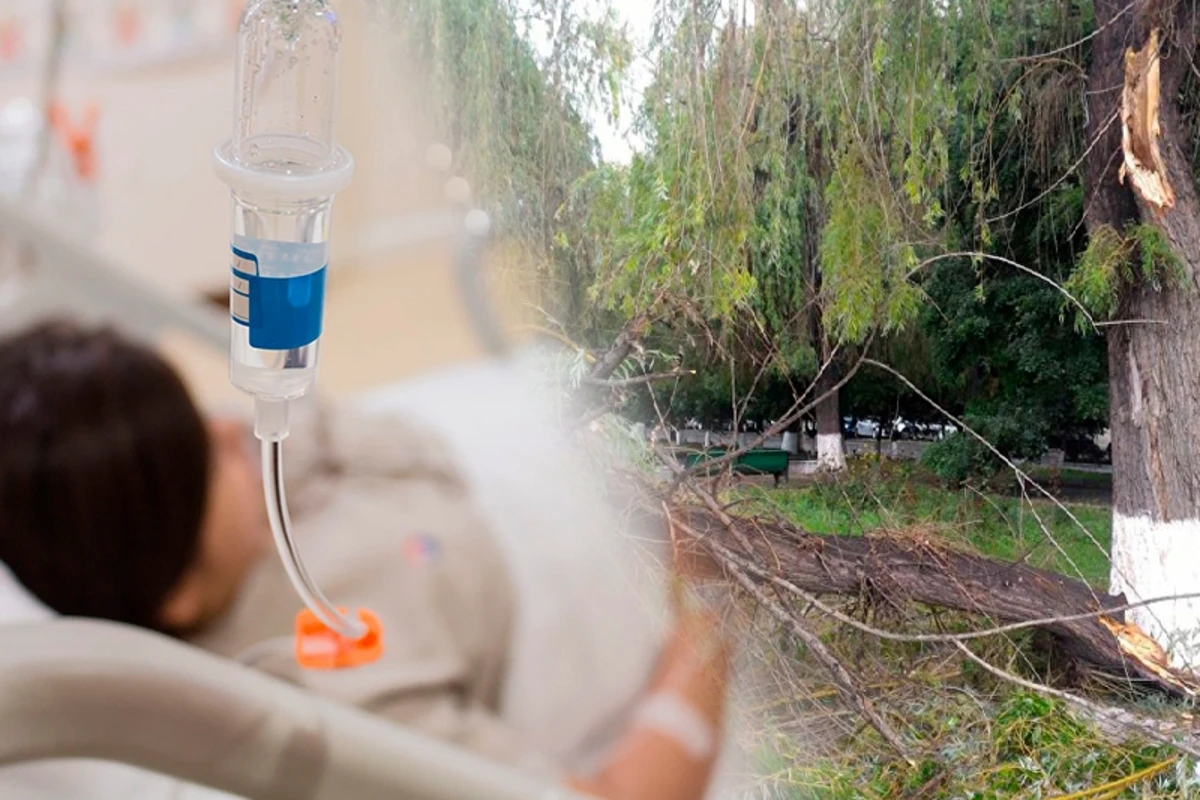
[{"x": 385, "y": 522}]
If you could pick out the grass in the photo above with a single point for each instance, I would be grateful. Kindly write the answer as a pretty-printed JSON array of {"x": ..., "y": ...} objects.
[
  {"x": 875, "y": 496},
  {"x": 973, "y": 737},
  {"x": 1018, "y": 746}
]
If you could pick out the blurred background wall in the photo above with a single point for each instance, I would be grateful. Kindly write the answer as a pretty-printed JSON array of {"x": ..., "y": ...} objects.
[{"x": 160, "y": 74}]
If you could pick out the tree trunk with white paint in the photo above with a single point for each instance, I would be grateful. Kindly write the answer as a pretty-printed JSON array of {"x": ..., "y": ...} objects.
[
  {"x": 831, "y": 456},
  {"x": 1154, "y": 360}
]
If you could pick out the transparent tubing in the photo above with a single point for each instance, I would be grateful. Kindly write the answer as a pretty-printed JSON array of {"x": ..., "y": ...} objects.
[{"x": 281, "y": 528}]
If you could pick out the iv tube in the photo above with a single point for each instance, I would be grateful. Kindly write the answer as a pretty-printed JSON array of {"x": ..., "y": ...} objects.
[
  {"x": 284, "y": 167},
  {"x": 281, "y": 529}
]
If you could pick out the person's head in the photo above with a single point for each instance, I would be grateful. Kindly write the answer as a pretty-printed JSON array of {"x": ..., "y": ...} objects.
[{"x": 118, "y": 500}]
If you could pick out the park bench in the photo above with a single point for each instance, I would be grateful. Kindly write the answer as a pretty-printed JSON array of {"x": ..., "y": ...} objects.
[{"x": 762, "y": 461}]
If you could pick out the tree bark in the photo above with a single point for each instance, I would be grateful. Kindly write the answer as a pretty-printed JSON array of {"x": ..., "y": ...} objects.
[
  {"x": 1154, "y": 360},
  {"x": 831, "y": 454},
  {"x": 621, "y": 348}
]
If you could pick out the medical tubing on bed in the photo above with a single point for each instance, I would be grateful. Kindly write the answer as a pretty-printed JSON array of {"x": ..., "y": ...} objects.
[{"x": 285, "y": 542}]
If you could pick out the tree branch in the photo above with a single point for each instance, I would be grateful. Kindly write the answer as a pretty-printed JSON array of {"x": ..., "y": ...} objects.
[
  {"x": 845, "y": 682},
  {"x": 637, "y": 380},
  {"x": 1116, "y": 720},
  {"x": 624, "y": 344}
]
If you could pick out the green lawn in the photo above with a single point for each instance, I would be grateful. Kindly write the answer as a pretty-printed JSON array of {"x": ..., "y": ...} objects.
[{"x": 874, "y": 496}]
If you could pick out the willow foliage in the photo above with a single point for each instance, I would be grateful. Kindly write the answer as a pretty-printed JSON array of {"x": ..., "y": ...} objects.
[
  {"x": 796, "y": 163},
  {"x": 515, "y": 114}
]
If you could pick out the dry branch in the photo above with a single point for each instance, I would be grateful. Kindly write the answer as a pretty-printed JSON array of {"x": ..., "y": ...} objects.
[
  {"x": 845, "y": 682},
  {"x": 637, "y": 380},
  {"x": 624, "y": 345}
]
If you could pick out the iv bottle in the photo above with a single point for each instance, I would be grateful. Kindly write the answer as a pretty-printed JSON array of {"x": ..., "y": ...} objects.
[{"x": 284, "y": 167}]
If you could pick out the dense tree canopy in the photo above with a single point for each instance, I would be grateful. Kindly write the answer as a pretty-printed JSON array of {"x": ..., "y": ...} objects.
[{"x": 823, "y": 161}]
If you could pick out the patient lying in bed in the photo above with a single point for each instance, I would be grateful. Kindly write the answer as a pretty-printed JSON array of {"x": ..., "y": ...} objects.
[{"x": 119, "y": 500}]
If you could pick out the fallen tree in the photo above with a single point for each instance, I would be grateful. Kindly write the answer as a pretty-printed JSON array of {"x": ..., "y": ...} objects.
[{"x": 898, "y": 569}]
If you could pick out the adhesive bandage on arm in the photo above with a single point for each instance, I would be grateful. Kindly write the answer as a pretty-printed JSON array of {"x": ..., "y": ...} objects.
[{"x": 669, "y": 714}]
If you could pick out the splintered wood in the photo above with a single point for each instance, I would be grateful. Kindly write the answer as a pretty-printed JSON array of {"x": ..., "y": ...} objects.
[
  {"x": 1143, "y": 164},
  {"x": 1135, "y": 643}
]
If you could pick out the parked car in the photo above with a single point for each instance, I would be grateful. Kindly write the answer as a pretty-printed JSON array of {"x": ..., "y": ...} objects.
[
  {"x": 867, "y": 428},
  {"x": 922, "y": 431},
  {"x": 938, "y": 431}
]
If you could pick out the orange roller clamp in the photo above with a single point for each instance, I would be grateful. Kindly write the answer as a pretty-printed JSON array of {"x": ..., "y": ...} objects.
[{"x": 317, "y": 647}]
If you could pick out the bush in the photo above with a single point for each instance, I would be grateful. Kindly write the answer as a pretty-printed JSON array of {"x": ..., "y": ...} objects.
[{"x": 961, "y": 457}]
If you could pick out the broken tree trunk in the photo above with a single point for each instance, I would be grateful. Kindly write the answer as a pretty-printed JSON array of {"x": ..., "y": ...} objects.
[
  {"x": 1138, "y": 173},
  {"x": 898, "y": 570}
]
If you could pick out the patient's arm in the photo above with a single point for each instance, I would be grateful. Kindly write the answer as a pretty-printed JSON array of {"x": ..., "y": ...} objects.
[
  {"x": 669, "y": 754},
  {"x": 669, "y": 751}
]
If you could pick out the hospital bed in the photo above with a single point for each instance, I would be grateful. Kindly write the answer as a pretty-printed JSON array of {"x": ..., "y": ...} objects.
[
  {"x": 87, "y": 689},
  {"x": 72, "y": 689}
]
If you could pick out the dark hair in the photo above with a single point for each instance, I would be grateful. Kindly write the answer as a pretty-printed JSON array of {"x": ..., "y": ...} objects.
[{"x": 104, "y": 462}]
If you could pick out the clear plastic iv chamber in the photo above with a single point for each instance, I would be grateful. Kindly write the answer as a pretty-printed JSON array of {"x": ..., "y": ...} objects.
[{"x": 284, "y": 167}]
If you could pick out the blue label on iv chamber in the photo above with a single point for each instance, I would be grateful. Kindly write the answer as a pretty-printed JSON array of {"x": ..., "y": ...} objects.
[{"x": 277, "y": 290}]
